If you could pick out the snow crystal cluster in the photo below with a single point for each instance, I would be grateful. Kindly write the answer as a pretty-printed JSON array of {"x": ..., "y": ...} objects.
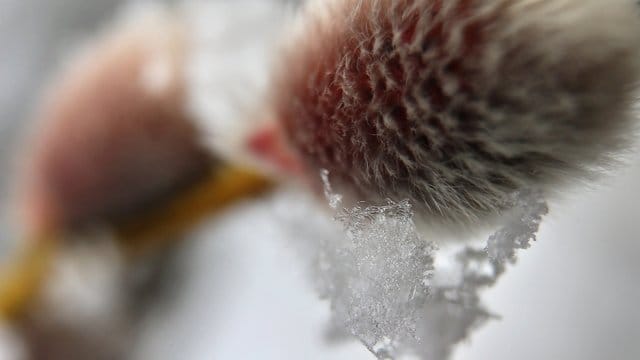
[
  {"x": 377, "y": 275},
  {"x": 399, "y": 294}
]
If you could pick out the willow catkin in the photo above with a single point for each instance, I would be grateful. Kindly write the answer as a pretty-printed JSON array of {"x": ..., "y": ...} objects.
[
  {"x": 456, "y": 104},
  {"x": 113, "y": 135}
]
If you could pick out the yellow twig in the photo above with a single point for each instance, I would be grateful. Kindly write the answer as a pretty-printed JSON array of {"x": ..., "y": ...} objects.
[
  {"x": 22, "y": 279},
  {"x": 221, "y": 188}
]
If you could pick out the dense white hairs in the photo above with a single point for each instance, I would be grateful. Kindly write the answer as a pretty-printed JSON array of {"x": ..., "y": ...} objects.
[{"x": 456, "y": 104}]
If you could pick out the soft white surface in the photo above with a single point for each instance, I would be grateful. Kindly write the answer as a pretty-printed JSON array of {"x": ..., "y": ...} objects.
[
  {"x": 245, "y": 296},
  {"x": 573, "y": 295}
]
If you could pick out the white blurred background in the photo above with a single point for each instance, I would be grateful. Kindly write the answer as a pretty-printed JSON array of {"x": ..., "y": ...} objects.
[{"x": 240, "y": 291}]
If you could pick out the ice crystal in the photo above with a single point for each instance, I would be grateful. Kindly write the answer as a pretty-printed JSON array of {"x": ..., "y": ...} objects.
[
  {"x": 377, "y": 276},
  {"x": 387, "y": 286},
  {"x": 455, "y": 309}
]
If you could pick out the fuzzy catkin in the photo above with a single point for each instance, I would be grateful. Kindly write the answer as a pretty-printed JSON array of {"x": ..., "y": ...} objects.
[
  {"x": 113, "y": 136},
  {"x": 457, "y": 104}
]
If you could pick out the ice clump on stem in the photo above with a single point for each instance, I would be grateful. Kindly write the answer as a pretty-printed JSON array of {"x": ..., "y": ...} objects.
[{"x": 384, "y": 281}]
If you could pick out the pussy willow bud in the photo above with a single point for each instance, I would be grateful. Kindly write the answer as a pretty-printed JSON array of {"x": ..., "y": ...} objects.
[
  {"x": 456, "y": 104},
  {"x": 114, "y": 134}
]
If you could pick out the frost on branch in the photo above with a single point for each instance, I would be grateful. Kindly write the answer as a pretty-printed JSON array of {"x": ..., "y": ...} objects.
[{"x": 396, "y": 293}]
